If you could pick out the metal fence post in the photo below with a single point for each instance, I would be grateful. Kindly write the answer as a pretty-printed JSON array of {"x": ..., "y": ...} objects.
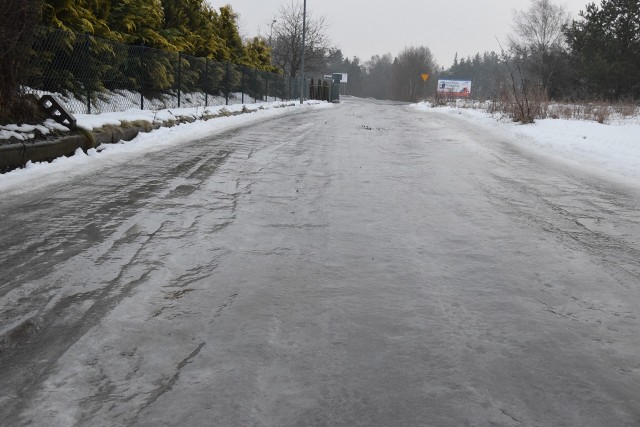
[
  {"x": 226, "y": 85},
  {"x": 179, "y": 75},
  {"x": 87, "y": 53},
  {"x": 206, "y": 82},
  {"x": 243, "y": 82},
  {"x": 137, "y": 51},
  {"x": 255, "y": 85}
]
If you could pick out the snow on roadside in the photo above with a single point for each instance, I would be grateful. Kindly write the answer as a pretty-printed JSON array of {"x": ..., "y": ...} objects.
[
  {"x": 36, "y": 175},
  {"x": 95, "y": 121},
  {"x": 26, "y": 132},
  {"x": 610, "y": 150}
]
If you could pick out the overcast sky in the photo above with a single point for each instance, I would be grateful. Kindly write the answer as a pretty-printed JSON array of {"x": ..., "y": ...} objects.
[{"x": 367, "y": 27}]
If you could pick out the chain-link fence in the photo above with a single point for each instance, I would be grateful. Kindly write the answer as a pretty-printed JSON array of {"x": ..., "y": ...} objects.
[{"x": 92, "y": 75}]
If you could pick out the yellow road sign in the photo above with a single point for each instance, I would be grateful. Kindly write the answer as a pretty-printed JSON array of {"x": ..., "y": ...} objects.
[{"x": 425, "y": 76}]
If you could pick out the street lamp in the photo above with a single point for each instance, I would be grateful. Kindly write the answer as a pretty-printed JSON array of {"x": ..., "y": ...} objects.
[
  {"x": 304, "y": 33},
  {"x": 271, "y": 33}
]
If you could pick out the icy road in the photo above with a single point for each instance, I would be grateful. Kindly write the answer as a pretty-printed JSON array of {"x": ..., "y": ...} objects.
[{"x": 366, "y": 264}]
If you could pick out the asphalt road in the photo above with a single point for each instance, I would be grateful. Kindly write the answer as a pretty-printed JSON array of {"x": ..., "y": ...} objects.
[{"x": 366, "y": 264}]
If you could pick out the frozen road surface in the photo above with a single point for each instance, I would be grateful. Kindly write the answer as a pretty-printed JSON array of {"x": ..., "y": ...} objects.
[{"x": 363, "y": 265}]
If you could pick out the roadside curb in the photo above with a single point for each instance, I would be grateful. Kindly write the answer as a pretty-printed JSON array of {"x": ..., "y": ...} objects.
[
  {"x": 17, "y": 155},
  {"x": 13, "y": 156}
]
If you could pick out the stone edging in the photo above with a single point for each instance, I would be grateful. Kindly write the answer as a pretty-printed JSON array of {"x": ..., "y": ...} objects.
[
  {"x": 17, "y": 155},
  {"x": 13, "y": 156}
]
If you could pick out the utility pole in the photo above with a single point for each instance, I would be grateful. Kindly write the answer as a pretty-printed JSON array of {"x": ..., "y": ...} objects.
[{"x": 304, "y": 33}]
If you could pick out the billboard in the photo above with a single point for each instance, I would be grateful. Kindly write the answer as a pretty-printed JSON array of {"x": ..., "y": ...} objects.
[
  {"x": 455, "y": 88},
  {"x": 344, "y": 77}
]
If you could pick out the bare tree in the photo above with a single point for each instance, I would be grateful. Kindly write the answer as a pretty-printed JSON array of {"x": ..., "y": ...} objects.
[
  {"x": 538, "y": 40},
  {"x": 379, "y": 74},
  {"x": 407, "y": 70},
  {"x": 287, "y": 40}
]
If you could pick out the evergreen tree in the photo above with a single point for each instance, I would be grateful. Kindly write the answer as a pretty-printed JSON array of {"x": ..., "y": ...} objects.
[
  {"x": 485, "y": 71},
  {"x": 188, "y": 26},
  {"x": 84, "y": 65},
  {"x": 227, "y": 30},
  {"x": 139, "y": 22},
  {"x": 355, "y": 71},
  {"x": 80, "y": 16},
  {"x": 192, "y": 26},
  {"x": 605, "y": 44},
  {"x": 257, "y": 54},
  {"x": 334, "y": 61}
]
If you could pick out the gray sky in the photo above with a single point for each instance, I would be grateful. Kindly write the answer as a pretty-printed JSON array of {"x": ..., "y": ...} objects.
[{"x": 367, "y": 27}]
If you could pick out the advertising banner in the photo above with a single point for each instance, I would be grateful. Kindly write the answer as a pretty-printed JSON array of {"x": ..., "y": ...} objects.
[
  {"x": 454, "y": 88},
  {"x": 343, "y": 80}
]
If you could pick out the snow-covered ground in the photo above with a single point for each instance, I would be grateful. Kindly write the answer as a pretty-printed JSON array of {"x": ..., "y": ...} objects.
[
  {"x": 611, "y": 150},
  {"x": 35, "y": 174}
]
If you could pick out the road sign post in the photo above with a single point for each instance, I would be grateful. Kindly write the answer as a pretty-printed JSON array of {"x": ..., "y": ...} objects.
[{"x": 425, "y": 77}]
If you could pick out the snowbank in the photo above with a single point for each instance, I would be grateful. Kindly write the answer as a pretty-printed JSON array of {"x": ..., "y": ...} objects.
[{"x": 612, "y": 150}]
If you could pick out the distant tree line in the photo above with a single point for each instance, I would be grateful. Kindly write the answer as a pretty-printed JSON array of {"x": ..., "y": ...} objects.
[
  {"x": 386, "y": 77},
  {"x": 596, "y": 56},
  {"x": 381, "y": 78},
  {"x": 549, "y": 55}
]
